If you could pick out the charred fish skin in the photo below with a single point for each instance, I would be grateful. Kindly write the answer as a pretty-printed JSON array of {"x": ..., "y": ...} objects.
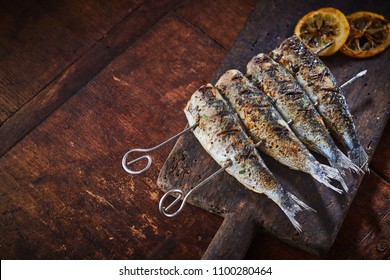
[
  {"x": 322, "y": 88},
  {"x": 221, "y": 134},
  {"x": 269, "y": 131},
  {"x": 295, "y": 106}
]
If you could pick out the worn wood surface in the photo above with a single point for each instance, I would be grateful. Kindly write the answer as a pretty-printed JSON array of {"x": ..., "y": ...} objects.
[
  {"x": 78, "y": 73},
  {"x": 63, "y": 193},
  {"x": 38, "y": 34},
  {"x": 234, "y": 236},
  {"x": 188, "y": 163}
]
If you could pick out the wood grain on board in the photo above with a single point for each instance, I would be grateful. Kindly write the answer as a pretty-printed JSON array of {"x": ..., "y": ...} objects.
[
  {"x": 188, "y": 162},
  {"x": 83, "y": 82},
  {"x": 63, "y": 186},
  {"x": 76, "y": 73},
  {"x": 39, "y": 39}
]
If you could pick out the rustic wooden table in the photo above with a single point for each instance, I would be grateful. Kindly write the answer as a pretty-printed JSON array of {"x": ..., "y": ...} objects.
[{"x": 82, "y": 82}]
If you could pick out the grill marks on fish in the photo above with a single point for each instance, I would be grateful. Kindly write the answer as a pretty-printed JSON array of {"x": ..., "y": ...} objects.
[
  {"x": 223, "y": 137},
  {"x": 222, "y": 132},
  {"x": 288, "y": 97},
  {"x": 322, "y": 88},
  {"x": 266, "y": 126},
  {"x": 295, "y": 106}
]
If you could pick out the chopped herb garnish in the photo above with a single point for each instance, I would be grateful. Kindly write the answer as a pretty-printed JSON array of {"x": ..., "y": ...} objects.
[
  {"x": 242, "y": 171},
  {"x": 205, "y": 117}
]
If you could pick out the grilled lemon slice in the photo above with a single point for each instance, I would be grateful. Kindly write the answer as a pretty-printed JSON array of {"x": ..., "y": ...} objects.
[
  {"x": 319, "y": 27},
  {"x": 369, "y": 35}
]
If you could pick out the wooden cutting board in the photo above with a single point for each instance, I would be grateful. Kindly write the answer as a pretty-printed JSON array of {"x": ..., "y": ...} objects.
[{"x": 246, "y": 212}]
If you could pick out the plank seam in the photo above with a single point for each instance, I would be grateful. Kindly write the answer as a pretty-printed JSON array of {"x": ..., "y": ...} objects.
[
  {"x": 370, "y": 232},
  {"x": 24, "y": 129},
  {"x": 380, "y": 174},
  {"x": 199, "y": 29},
  {"x": 56, "y": 77}
]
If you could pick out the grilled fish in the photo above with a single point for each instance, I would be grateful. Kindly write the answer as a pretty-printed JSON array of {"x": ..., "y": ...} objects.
[
  {"x": 295, "y": 106},
  {"x": 267, "y": 128},
  {"x": 322, "y": 88},
  {"x": 221, "y": 134}
]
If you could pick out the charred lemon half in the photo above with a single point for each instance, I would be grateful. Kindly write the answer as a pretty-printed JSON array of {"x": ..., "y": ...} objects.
[
  {"x": 318, "y": 28},
  {"x": 369, "y": 35}
]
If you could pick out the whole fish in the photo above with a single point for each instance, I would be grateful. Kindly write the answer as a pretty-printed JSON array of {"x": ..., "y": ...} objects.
[
  {"x": 296, "y": 108},
  {"x": 268, "y": 129},
  {"x": 323, "y": 90},
  {"x": 221, "y": 134}
]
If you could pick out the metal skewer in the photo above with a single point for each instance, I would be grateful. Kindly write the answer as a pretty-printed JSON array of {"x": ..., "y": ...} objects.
[
  {"x": 358, "y": 75},
  {"x": 181, "y": 195},
  {"x": 126, "y": 164},
  {"x": 164, "y": 210},
  {"x": 331, "y": 42}
]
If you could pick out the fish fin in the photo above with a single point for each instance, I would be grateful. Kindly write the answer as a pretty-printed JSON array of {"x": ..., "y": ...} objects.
[
  {"x": 300, "y": 202},
  {"x": 359, "y": 157},
  {"x": 324, "y": 174},
  {"x": 342, "y": 163},
  {"x": 290, "y": 205}
]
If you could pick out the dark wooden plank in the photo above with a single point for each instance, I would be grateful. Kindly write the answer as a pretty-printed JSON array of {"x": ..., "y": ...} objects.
[
  {"x": 364, "y": 230},
  {"x": 64, "y": 193},
  {"x": 80, "y": 72},
  {"x": 369, "y": 208},
  {"x": 37, "y": 185},
  {"x": 380, "y": 162},
  {"x": 376, "y": 244},
  {"x": 37, "y": 34},
  {"x": 220, "y": 26},
  {"x": 188, "y": 161},
  {"x": 237, "y": 225}
]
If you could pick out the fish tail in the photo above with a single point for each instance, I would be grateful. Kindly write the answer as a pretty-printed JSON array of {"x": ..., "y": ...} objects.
[
  {"x": 290, "y": 205},
  {"x": 359, "y": 157},
  {"x": 342, "y": 163},
  {"x": 325, "y": 174}
]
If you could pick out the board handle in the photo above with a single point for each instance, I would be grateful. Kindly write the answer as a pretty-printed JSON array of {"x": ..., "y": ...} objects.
[{"x": 233, "y": 238}]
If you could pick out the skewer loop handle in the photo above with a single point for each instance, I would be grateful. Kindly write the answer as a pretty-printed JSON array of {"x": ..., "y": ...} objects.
[
  {"x": 164, "y": 210},
  {"x": 126, "y": 165}
]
